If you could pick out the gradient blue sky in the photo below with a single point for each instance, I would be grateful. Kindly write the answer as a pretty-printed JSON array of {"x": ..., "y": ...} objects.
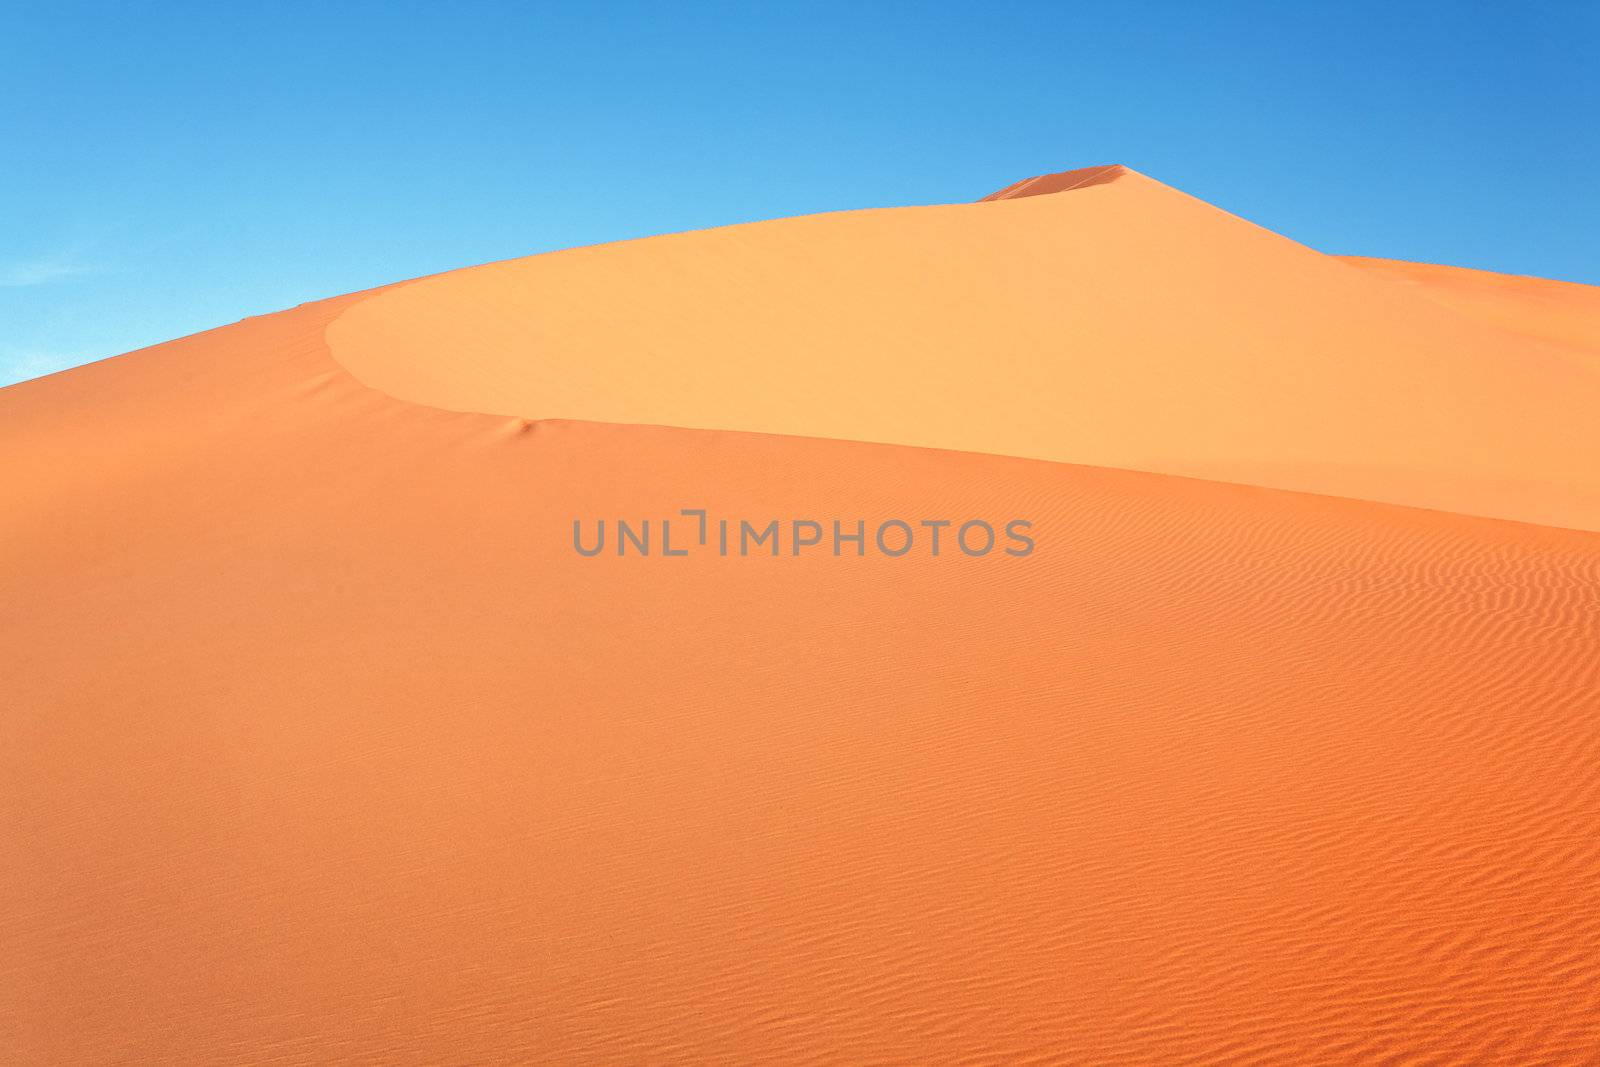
[{"x": 169, "y": 167}]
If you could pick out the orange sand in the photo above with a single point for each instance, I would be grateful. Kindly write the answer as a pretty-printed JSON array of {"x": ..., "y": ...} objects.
[
  {"x": 324, "y": 746},
  {"x": 1558, "y": 312},
  {"x": 1121, "y": 323}
]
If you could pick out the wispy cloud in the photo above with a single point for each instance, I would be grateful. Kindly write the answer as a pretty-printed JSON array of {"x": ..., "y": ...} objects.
[
  {"x": 20, "y": 364},
  {"x": 44, "y": 270}
]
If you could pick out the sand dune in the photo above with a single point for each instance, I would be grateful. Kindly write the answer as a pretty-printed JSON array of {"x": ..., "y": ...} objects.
[
  {"x": 1562, "y": 313},
  {"x": 325, "y": 746},
  {"x": 1120, "y": 323}
]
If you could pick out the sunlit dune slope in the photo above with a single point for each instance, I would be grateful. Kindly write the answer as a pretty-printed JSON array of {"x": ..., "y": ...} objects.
[
  {"x": 1117, "y": 322},
  {"x": 1561, "y": 312},
  {"x": 323, "y": 745}
]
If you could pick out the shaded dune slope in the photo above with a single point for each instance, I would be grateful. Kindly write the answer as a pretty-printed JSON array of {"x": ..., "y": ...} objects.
[
  {"x": 1062, "y": 182},
  {"x": 322, "y": 743},
  {"x": 1118, "y": 323}
]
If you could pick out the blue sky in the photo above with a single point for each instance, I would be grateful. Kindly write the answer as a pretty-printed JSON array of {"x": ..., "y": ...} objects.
[{"x": 169, "y": 167}]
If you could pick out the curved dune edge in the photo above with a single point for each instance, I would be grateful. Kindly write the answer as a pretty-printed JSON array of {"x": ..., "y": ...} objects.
[
  {"x": 323, "y": 745},
  {"x": 1118, "y": 324}
]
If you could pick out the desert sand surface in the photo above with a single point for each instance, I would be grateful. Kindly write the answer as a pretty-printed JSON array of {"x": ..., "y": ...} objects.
[
  {"x": 323, "y": 745},
  {"x": 1119, "y": 323},
  {"x": 1560, "y": 312}
]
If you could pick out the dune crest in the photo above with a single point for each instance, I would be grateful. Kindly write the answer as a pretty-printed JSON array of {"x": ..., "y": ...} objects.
[
  {"x": 1113, "y": 322},
  {"x": 1061, "y": 182}
]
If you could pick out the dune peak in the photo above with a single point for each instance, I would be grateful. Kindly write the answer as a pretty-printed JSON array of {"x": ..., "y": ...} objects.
[{"x": 1060, "y": 182}]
